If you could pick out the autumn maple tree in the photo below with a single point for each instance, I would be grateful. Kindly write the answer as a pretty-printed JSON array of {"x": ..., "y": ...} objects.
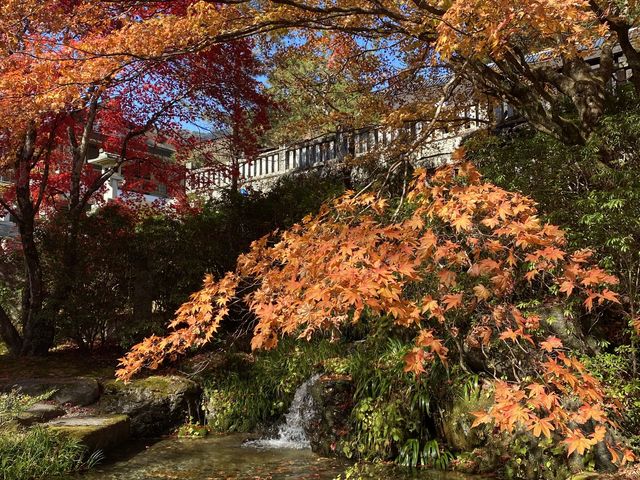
[
  {"x": 536, "y": 55},
  {"x": 58, "y": 100},
  {"x": 450, "y": 264}
]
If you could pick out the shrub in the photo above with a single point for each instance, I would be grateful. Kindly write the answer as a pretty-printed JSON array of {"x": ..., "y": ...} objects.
[
  {"x": 593, "y": 193},
  {"x": 449, "y": 267},
  {"x": 615, "y": 369},
  {"x": 98, "y": 306},
  {"x": 596, "y": 203},
  {"x": 137, "y": 267}
]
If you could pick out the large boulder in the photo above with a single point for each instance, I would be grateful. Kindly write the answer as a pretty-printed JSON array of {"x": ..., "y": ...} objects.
[
  {"x": 154, "y": 405},
  {"x": 482, "y": 450},
  {"x": 333, "y": 401},
  {"x": 76, "y": 391},
  {"x": 476, "y": 449}
]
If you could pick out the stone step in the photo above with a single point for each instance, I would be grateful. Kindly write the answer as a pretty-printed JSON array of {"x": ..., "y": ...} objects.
[
  {"x": 40, "y": 413},
  {"x": 99, "y": 432},
  {"x": 78, "y": 391}
]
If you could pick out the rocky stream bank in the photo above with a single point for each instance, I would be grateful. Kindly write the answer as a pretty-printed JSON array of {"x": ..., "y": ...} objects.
[{"x": 106, "y": 414}]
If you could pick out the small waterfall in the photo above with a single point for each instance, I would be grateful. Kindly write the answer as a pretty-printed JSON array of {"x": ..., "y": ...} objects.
[{"x": 291, "y": 433}]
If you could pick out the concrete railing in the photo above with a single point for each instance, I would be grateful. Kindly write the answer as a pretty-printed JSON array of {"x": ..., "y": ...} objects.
[{"x": 332, "y": 149}]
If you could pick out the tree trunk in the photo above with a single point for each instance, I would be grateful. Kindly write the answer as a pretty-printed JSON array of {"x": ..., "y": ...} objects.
[
  {"x": 541, "y": 91},
  {"x": 9, "y": 334},
  {"x": 235, "y": 173},
  {"x": 38, "y": 329},
  {"x": 613, "y": 19}
]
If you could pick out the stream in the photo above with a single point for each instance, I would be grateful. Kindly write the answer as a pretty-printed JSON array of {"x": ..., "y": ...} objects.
[{"x": 225, "y": 457}]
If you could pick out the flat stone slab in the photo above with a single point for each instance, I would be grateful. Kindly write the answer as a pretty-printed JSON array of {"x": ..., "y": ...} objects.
[
  {"x": 103, "y": 432},
  {"x": 78, "y": 391},
  {"x": 40, "y": 413}
]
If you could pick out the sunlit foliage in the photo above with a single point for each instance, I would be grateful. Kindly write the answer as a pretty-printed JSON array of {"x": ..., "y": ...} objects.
[{"x": 450, "y": 264}]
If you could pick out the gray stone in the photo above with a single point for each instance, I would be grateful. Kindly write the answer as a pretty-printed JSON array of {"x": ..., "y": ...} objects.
[
  {"x": 566, "y": 328},
  {"x": 333, "y": 401},
  {"x": 104, "y": 432},
  {"x": 155, "y": 404},
  {"x": 456, "y": 420},
  {"x": 77, "y": 391},
  {"x": 40, "y": 413}
]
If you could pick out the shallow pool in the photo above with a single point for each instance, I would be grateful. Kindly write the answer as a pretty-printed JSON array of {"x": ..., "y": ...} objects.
[{"x": 224, "y": 457}]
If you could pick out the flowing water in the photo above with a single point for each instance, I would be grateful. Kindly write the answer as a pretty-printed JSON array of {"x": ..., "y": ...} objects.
[{"x": 291, "y": 432}]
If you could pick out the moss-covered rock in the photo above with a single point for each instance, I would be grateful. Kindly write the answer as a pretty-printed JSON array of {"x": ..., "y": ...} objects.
[
  {"x": 584, "y": 476},
  {"x": 333, "y": 400},
  {"x": 515, "y": 455},
  {"x": 104, "y": 432},
  {"x": 155, "y": 404},
  {"x": 456, "y": 421},
  {"x": 481, "y": 460}
]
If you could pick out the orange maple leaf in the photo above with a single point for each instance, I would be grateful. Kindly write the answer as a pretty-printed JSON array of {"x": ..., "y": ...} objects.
[
  {"x": 608, "y": 295},
  {"x": 482, "y": 417},
  {"x": 542, "y": 426},
  {"x": 567, "y": 287},
  {"x": 509, "y": 334},
  {"x": 414, "y": 361},
  {"x": 577, "y": 442},
  {"x": 452, "y": 301},
  {"x": 462, "y": 222},
  {"x": 481, "y": 292},
  {"x": 551, "y": 343}
]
